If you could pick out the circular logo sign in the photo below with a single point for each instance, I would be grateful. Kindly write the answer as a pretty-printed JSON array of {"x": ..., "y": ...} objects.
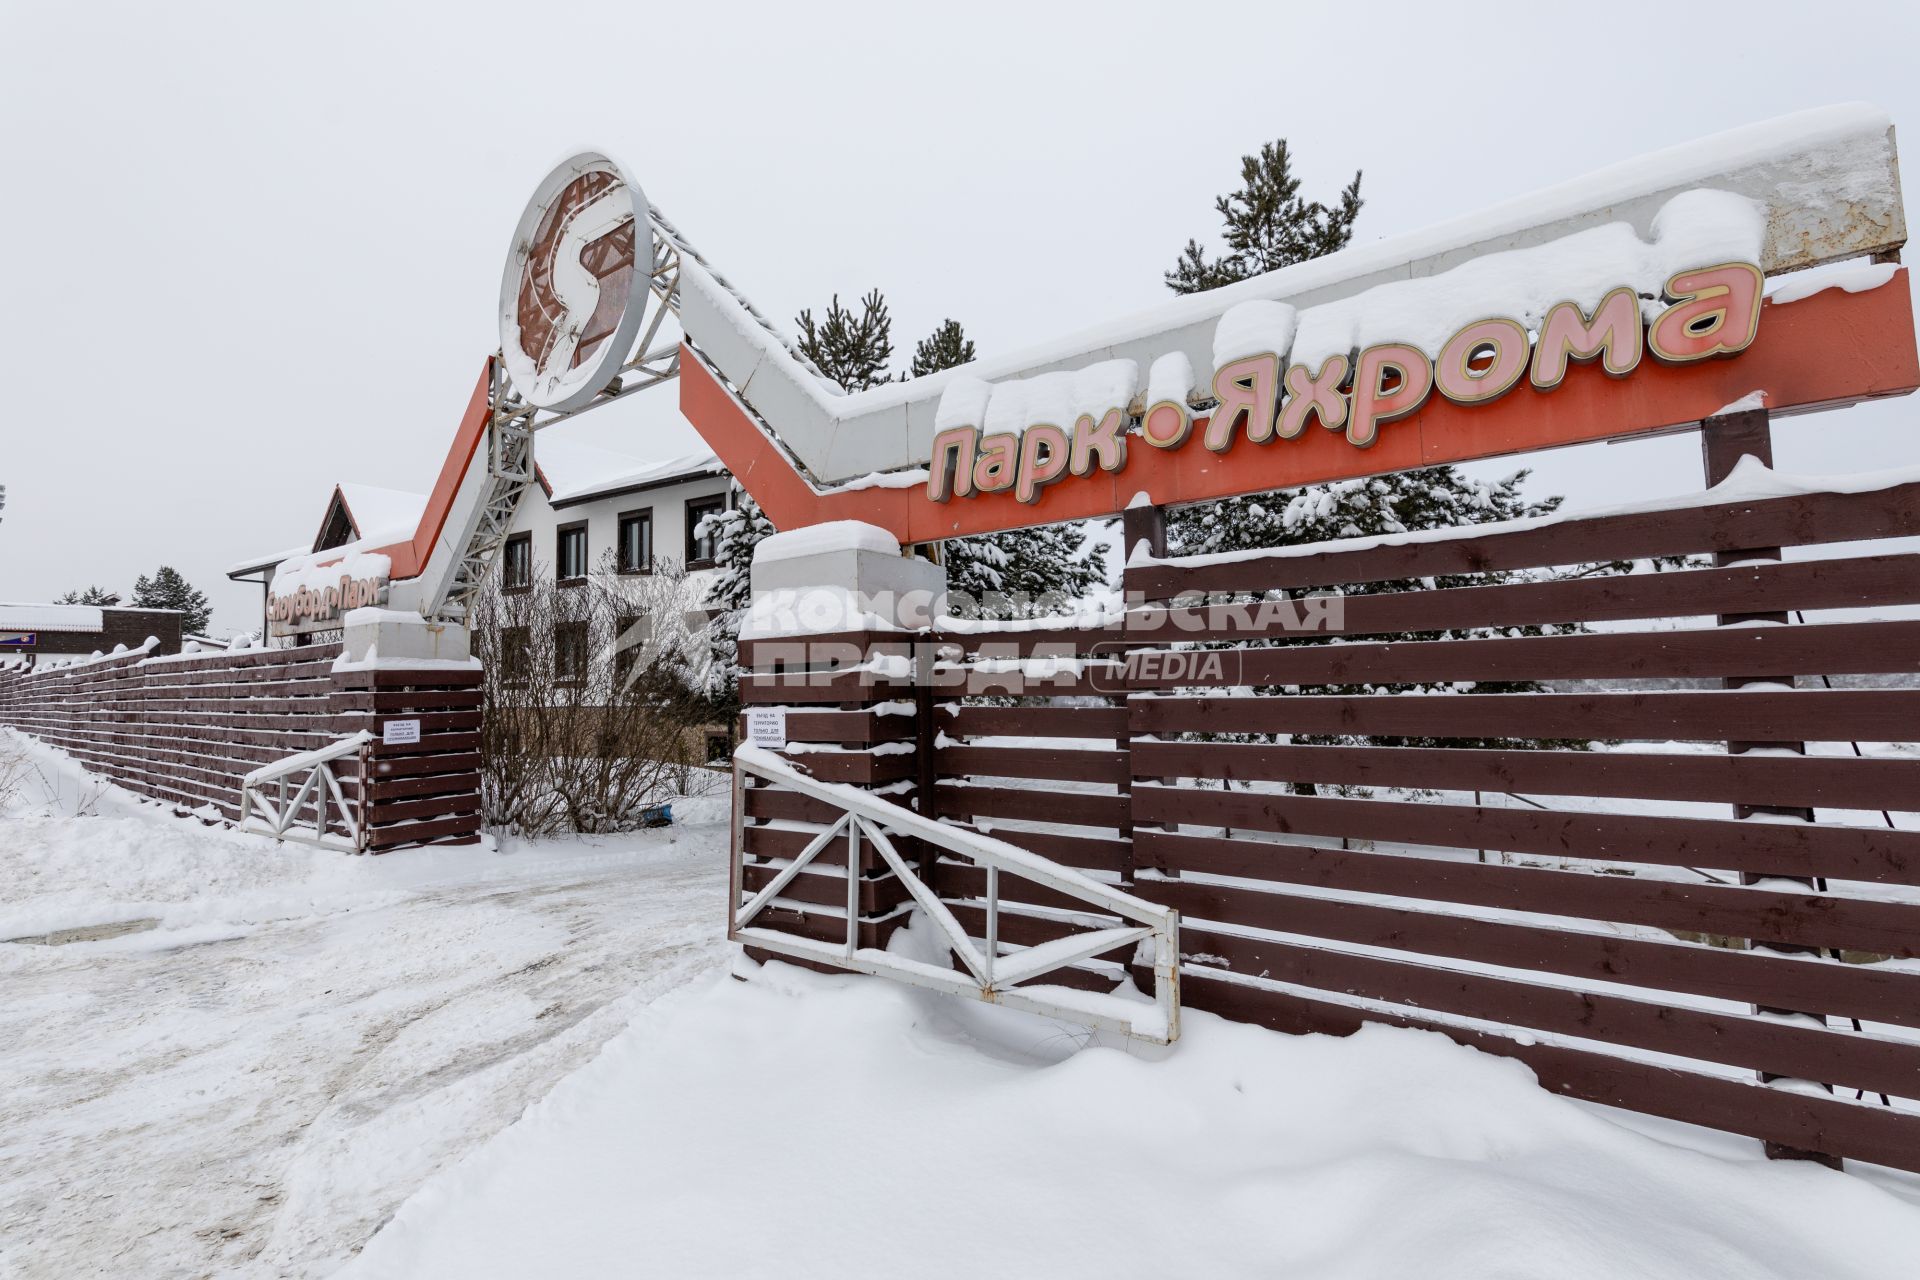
[{"x": 572, "y": 300}]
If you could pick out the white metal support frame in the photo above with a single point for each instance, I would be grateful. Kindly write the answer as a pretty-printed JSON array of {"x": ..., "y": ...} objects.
[
  {"x": 278, "y": 814},
  {"x": 989, "y": 976},
  {"x": 512, "y": 423}
]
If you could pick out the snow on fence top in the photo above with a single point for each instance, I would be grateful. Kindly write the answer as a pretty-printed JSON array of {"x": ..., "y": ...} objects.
[{"x": 1820, "y": 186}]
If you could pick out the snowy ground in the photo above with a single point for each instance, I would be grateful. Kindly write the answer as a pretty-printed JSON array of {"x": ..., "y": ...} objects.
[
  {"x": 477, "y": 1064},
  {"x": 296, "y": 1039},
  {"x": 798, "y": 1125}
]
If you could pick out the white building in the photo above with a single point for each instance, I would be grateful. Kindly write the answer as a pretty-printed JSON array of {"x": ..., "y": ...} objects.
[
  {"x": 593, "y": 505},
  {"x": 592, "y": 502}
]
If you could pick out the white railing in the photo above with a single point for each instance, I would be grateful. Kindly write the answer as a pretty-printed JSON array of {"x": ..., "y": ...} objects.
[
  {"x": 278, "y": 814},
  {"x": 988, "y": 975}
]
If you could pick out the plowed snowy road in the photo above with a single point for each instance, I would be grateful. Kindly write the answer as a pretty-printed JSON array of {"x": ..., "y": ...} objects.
[{"x": 254, "y": 1090}]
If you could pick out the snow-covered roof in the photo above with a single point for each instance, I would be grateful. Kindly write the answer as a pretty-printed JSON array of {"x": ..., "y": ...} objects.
[
  {"x": 574, "y": 471},
  {"x": 51, "y": 617},
  {"x": 256, "y": 563},
  {"x": 381, "y": 516}
]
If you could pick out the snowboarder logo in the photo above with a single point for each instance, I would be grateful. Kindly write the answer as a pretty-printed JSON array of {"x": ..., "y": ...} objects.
[{"x": 569, "y": 302}]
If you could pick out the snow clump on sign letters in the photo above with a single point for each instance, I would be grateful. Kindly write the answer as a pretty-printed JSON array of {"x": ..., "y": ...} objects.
[{"x": 1694, "y": 229}]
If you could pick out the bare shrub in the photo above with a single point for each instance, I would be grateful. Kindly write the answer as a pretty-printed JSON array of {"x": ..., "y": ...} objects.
[
  {"x": 592, "y": 698},
  {"x": 14, "y": 768}
]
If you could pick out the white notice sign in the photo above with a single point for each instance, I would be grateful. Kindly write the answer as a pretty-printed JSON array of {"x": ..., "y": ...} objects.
[
  {"x": 400, "y": 731},
  {"x": 767, "y": 727}
]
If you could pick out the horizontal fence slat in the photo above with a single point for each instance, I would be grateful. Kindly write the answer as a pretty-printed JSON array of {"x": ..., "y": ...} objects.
[
  {"x": 1754, "y": 977},
  {"x": 1856, "y": 1130},
  {"x": 779, "y": 805},
  {"x": 967, "y": 882},
  {"x": 1782, "y": 586},
  {"x": 1763, "y": 848},
  {"x": 787, "y": 843},
  {"x": 1745, "y": 715},
  {"x": 1841, "y": 648},
  {"x": 1726, "y": 911},
  {"x": 1802, "y": 781},
  {"x": 1034, "y": 806},
  {"x": 849, "y": 686},
  {"x": 1799, "y": 520},
  {"x": 1083, "y": 853},
  {"x": 847, "y": 728},
  {"x": 1064, "y": 764},
  {"x": 859, "y": 767},
  {"x": 826, "y": 887},
  {"x": 1834, "y": 1056},
  {"x": 1022, "y": 930},
  {"x": 1033, "y": 722}
]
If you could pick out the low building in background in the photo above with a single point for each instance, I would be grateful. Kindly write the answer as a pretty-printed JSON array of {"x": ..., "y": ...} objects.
[
  {"x": 594, "y": 510},
  {"x": 40, "y": 635},
  {"x": 357, "y": 516},
  {"x": 590, "y": 628}
]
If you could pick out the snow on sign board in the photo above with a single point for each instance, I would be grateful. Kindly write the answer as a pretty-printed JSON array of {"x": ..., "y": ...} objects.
[
  {"x": 317, "y": 598},
  {"x": 571, "y": 302},
  {"x": 1033, "y": 437},
  {"x": 1279, "y": 376},
  {"x": 400, "y": 732},
  {"x": 767, "y": 727}
]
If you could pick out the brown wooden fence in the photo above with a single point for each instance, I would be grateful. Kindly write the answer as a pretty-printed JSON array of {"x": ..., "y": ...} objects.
[
  {"x": 1718, "y": 898},
  {"x": 187, "y": 729}
]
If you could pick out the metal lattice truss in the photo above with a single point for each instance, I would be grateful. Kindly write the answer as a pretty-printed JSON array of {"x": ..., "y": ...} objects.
[
  {"x": 988, "y": 975},
  {"x": 512, "y": 424},
  {"x": 266, "y": 807}
]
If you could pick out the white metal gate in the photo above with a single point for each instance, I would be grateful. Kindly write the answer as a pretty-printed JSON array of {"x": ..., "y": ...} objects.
[{"x": 988, "y": 974}]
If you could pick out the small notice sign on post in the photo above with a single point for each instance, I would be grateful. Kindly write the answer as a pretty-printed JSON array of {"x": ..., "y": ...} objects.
[
  {"x": 400, "y": 732},
  {"x": 767, "y": 727}
]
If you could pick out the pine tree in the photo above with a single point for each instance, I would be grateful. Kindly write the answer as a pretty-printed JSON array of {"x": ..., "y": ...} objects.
[
  {"x": 1045, "y": 567},
  {"x": 735, "y": 533},
  {"x": 851, "y": 350},
  {"x": 1038, "y": 570},
  {"x": 168, "y": 590},
  {"x": 91, "y": 595},
  {"x": 1267, "y": 225},
  {"x": 945, "y": 348}
]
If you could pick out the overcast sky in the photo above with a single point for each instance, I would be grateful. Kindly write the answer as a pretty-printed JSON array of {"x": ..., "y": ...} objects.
[{"x": 254, "y": 249}]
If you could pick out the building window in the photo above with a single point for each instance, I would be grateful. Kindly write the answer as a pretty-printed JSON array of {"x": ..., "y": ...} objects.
[
  {"x": 631, "y": 633},
  {"x": 516, "y": 563},
  {"x": 636, "y": 541},
  {"x": 570, "y": 553},
  {"x": 570, "y": 653},
  {"x": 516, "y": 655},
  {"x": 719, "y": 748},
  {"x": 700, "y": 549}
]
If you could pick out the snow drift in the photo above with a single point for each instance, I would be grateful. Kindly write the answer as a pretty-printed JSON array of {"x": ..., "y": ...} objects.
[{"x": 798, "y": 1125}]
